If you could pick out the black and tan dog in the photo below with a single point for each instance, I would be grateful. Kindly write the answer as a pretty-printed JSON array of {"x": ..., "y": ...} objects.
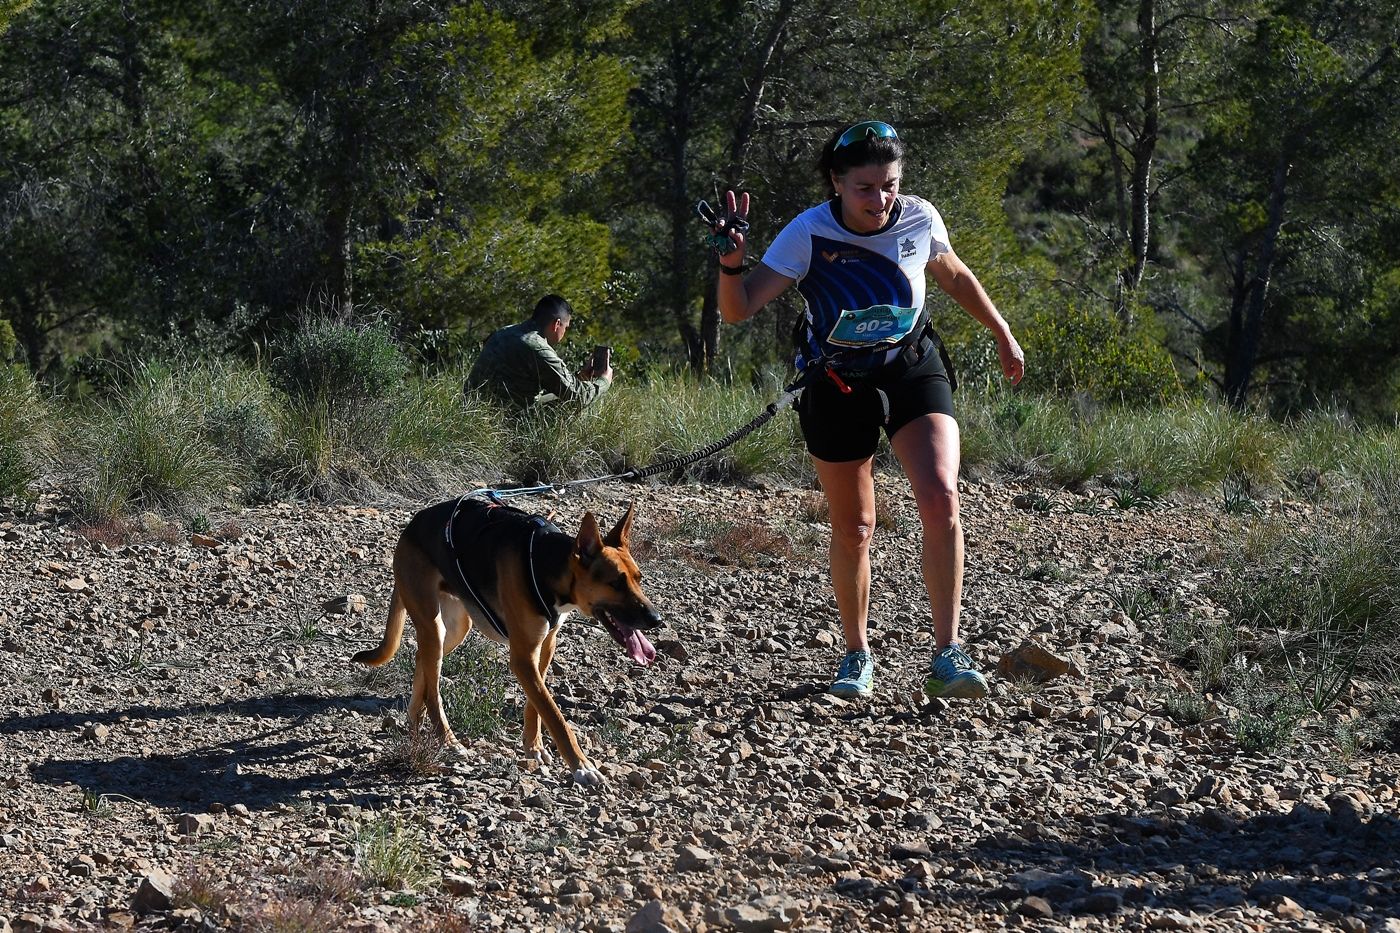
[{"x": 517, "y": 576}]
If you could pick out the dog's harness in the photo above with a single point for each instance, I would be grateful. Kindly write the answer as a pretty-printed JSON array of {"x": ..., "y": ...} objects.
[{"x": 548, "y": 608}]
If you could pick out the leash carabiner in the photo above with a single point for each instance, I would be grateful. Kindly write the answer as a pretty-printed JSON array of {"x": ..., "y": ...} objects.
[{"x": 721, "y": 223}]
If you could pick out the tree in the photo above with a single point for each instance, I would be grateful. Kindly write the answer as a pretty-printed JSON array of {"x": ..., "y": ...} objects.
[
  {"x": 744, "y": 95},
  {"x": 1147, "y": 70},
  {"x": 168, "y": 167},
  {"x": 1300, "y": 153}
]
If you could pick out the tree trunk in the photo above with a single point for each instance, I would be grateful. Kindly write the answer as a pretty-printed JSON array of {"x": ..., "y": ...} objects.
[
  {"x": 739, "y": 144},
  {"x": 681, "y": 224},
  {"x": 1144, "y": 147},
  {"x": 1249, "y": 304}
]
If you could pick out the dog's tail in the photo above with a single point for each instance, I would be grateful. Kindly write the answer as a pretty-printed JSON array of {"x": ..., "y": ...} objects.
[{"x": 393, "y": 634}]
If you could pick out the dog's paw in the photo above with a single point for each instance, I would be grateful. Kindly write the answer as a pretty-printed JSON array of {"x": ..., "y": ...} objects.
[
  {"x": 454, "y": 751},
  {"x": 541, "y": 754},
  {"x": 589, "y": 776}
]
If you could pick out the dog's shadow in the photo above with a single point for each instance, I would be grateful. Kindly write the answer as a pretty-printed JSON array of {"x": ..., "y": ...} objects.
[{"x": 271, "y": 766}]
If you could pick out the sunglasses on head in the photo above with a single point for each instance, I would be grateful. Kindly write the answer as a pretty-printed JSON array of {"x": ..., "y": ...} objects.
[{"x": 870, "y": 129}]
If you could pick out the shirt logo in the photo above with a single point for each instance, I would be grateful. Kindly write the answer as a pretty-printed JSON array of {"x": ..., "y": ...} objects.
[
  {"x": 906, "y": 247},
  {"x": 842, "y": 256}
]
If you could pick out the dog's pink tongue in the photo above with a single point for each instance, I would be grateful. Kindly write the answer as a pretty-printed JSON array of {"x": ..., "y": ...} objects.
[{"x": 639, "y": 649}]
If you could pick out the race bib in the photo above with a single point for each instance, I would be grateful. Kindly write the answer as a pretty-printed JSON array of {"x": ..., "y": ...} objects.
[{"x": 878, "y": 324}]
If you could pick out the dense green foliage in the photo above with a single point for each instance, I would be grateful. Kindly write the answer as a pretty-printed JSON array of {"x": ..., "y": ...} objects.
[{"x": 1161, "y": 195}]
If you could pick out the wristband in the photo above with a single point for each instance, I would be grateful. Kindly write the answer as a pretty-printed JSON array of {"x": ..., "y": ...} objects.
[{"x": 735, "y": 270}]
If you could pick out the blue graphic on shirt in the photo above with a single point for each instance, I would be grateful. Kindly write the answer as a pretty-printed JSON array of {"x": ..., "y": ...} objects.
[{"x": 845, "y": 277}]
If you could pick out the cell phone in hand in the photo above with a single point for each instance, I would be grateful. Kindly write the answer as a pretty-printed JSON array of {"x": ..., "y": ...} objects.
[{"x": 602, "y": 359}]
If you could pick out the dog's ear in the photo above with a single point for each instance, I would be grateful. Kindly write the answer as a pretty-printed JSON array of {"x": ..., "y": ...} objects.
[
  {"x": 589, "y": 544},
  {"x": 618, "y": 536}
]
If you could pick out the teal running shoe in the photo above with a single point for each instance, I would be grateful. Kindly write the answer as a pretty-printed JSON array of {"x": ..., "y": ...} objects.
[
  {"x": 855, "y": 675},
  {"x": 953, "y": 676}
]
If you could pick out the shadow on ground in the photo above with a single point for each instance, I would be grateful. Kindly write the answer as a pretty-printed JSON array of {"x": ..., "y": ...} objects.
[
  {"x": 264, "y": 767},
  {"x": 1336, "y": 864}
]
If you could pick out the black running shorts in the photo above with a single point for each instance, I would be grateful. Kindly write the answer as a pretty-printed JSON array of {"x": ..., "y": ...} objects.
[{"x": 839, "y": 427}]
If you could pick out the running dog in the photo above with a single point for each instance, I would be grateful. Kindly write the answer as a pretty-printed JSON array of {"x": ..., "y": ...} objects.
[{"x": 516, "y": 576}]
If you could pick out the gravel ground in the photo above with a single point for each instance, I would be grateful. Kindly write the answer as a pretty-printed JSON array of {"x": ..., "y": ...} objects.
[{"x": 185, "y": 745}]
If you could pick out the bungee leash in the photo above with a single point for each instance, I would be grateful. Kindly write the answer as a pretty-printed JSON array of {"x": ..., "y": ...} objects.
[{"x": 789, "y": 395}]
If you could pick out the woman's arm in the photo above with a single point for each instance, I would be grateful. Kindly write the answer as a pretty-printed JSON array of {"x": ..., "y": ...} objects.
[
  {"x": 742, "y": 296},
  {"x": 955, "y": 278}
]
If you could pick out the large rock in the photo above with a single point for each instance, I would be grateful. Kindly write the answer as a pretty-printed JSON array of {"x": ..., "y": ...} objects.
[
  {"x": 1033, "y": 661},
  {"x": 773, "y": 912},
  {"x": 155, "y": 893},
  {"x": 694, "y": 858},
  {"x": 656, "y": 917}
]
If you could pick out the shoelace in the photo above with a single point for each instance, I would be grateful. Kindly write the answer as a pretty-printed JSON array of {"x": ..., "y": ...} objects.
[
  {"x": 951, "y": 660},
  {"x": 851, "y": 665}
]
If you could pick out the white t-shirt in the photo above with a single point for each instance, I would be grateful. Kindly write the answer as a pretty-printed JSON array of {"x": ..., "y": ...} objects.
[{"x": 861, "y": 289}]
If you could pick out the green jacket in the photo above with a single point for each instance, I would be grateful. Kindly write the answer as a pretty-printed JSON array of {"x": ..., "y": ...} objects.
[{"x": 519, "y": 367}]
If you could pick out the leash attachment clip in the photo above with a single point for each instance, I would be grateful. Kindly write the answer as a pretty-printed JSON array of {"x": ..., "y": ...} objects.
[{"x": 721, "y": 224}]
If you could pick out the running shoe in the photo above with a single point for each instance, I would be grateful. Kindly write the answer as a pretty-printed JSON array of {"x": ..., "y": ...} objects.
[
  {"x": 855, "y": 675},
  {"x": 952, "y": 675}
]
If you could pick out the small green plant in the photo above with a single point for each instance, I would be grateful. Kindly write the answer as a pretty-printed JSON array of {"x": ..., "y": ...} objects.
[
  {"x": 1323, "y": 669},
  {"x": 1105, "y": 743},
  {"x": 1210, "y": 646},
  {"x": 1267, "y": 716},
  {"x": 1264, "y": 732},
  {"x": 1237, "y": 496},
  {"x": 199, "y": 524},
  {"x": 1048, "y": 571},
  {"x": 94, "y": 803},
  {"x": 1135, "y": 602},
  {"x": 1087, "y": 505},
  {"x": 1380, "y": 730},
  {"x": 550, "y": 842},
  {"x": 1132, "y": 496},
  {"x": 1186, "y": 708},
  {"x": 675, "y": 745},
  {"x": 1034, "y": 502},
  {"x": 474, "y": 690},
  {"x": 305, "y": 629},
  {"x": 392, "y": 854},
  {"x": 403, "y": 899},
  {"x": 610, "y": 732}
]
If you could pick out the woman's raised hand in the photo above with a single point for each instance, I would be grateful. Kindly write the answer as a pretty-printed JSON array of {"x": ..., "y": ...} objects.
[{"x": 735, "y": 209}]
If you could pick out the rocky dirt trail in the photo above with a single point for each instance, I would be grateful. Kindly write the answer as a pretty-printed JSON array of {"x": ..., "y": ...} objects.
[{"x": 185, "y": 745}]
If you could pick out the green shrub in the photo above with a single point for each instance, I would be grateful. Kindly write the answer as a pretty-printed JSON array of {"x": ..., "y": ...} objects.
[
  {"x": 9, "y": 345},
  {"x": 422, "y": 439},
  {"x": 475, "y": 687},
  {"x": 338, "y": 361},
  {"x": 145, "y": 448},
  {"x": 393, "y": 854},
  {"x": 1072, "y": 347},
  {"x": 24, "y": 430}
]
